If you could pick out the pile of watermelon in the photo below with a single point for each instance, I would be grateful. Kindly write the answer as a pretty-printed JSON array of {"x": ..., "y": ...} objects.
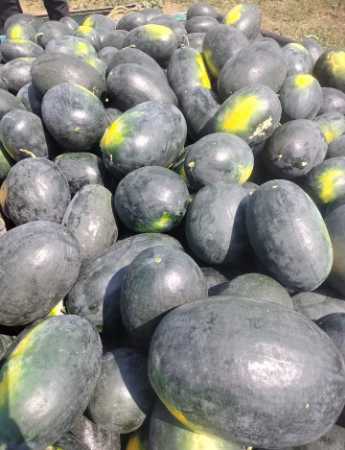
[{"x": 172, "y": 235}]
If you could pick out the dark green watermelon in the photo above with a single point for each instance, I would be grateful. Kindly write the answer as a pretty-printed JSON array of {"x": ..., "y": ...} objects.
[
  {"x": 277, "y": 212},
  {"x": 326, "y": 182},
  {"x": 30, "y": 98},
  {"x": 196, "y": 41},
  {"x": 157, "y": 41},
  {"x": 158, "y": 280},
  {"x": 16, "y": 73},
  {"x": 337, "y": 147},
  {"x": 201, "y": 9},
  {"x": 332, "y": 125},
  {"x": 201, "y": 24},
  {"x": 35, "y": 271},
  {"x": 97, "y": 64},
  {"x": 21, "y": 31},
  {"x": 6, "y": 342},
  {"x": 220, "y": 44},
  {"x": 214, "y": 278},
  {"x": 107, "y": 54},
  {"x": 130, "y": 21},
  {"x": 252, "y": 113},
  {"x": 51, "y": 69},
  {"x": 131, "y": 84},
  {"x": 334, "y": 326},
  {"x": 314, "y": 47},
  {"x": 218, "y": 157},
  {"x": 335, "y": 221},
  {"x": 90, "y": 34},
  {"x": 294, "y": 149},
  {"x": 51, "y": 30},
  {"x": 99, "y": 22},
  {"x": 256, "y": 286},
  {"x": 330, "y": 69},
  {"x": 69, "y": 22},
  {"x": 90, "y": 218},
  {"x": 39, "y": 402},
  {"x": 215, "y": 221},
  {"x": 19, "y": 49},
  {"x": 252, "y": 65},
  {"x": 22, "y": 135},
  {"x": 215, "y": 365},
  {"x": 74, "y": 116},
  {"x": 301, "y": 97},
  {"x": 123, "y": 396},
  {"x": 151, "y": 13},
  {"x": 166, "y": 432},
  {"x": 151, "y": 133},
  {"x": 333, "y": 100},
  {"x": 246, "y": 18},
  {"x": 96, "y": 295},
  {"x": 176, "y": 26},
  {"x": 316, "y": 305},
  {"x": 151, "y": 199},
  {"x": 114, "y": 38},
  {"x": 8, "y": 102},
  {"x": 34, "y": 189},
  {"x": 22, "y": 19},
  {"x": 111, "y": 114},
  {"x": 71, "y": 45},
  {"x": 298, "y": 59},
  {"x": 80, "y": 169}
]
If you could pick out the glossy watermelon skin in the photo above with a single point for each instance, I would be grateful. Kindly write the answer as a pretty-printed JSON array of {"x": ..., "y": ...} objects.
[
  {"x": 16, "y": 73},
  {"x": 99, "y": 22},
  {"x": 335, "y": 220},
  {"x": 31, "y": 98},
  {"x": 80, "y": 169},
  {"x": 51, "y": 30},
  {"x": 325, "y": 183},
  {"x": 333, "y": 100},
  {"x": 334, "y": 326},
  {"x": 151, "y": 199},
  {"x": 90, "y": 34},
  {"x": 314, "y": 47},
  {"x": 21, "y": 31},
  {"x": 96, "y": 294},
  {"x": 332, "y": 125},
  {"x": 202, "y": 9},
  {"x": 246, "y": 18},
  {"x": 107, "y": 54},
  {"x": 21, "y": 19},
  {"x": 130, "y": 21},
  {"x": 64, "y": 383},
  {"x": 11, "y": 50},
  {"x": 230, "y": 404},
  {"x": 123, "y": 396},
  {"x": 257, "y": 286},
  {"x": 299, "y": 265},
  {"x": 177, "y": 27},
  {"x": 74, "y": 116},
  {"x": 158, "y": 41},
  {"x": 316, "y": 305},
  {"x": 214, "y": 224},
  {"x": 294, "y": 149},
  {"x": 165, "y": 278},
  {"x": 34, "y": 189},
  {"x": 71, "y": 45},
  {"x": 166, "y": 432},
  {"x": 35, "y": 272},
  {"x": 151, "y": 133},
  {"x": 131, "y": 84},
  {"x": 90, "y": 218},
  {"x": 329, "y": 69},
  {"x": 298, "y": 59},
  {"x": 252, "y": 65},
  {"x": 51, "y": 69},
  {"x": 221, "y": 43},
  {"x": 218, "y": 157},
  {"x": 22, "y": 135},
  {"x": 301, "y": 97},
  {"x": 200, "y": 24},
  {"x": 114, "y": 38},
  {"x": 252, "y": 113},
  {"x": 8, "y": 102}
]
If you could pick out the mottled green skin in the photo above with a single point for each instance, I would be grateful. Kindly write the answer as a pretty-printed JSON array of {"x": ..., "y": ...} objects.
[
  {"x": 277, "y": 212},
  {"x": 44, "y": 399},
  {"x": 200, "y": 365},
  {"x": 152, "y": 133},
  {"x": 16, "y": 73},
  {"x": 51, "y": 30},
  {"x": 13, "y": 49},
  {"x": 166, "y": 432},
  {"x": 123, "y": 395},
  {"x": 96, "y": 295},
  {"x": 214, "y": 224}
]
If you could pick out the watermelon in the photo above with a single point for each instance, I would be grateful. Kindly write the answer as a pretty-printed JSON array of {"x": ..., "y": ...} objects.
[
  {"x": 106, "y": 54},
  {"x": 176, "y": 26},
  {"x": 334, "y": 326},
  {"x": 196, "y": 41},
  {"x": 130, "y": 21},
  {"x": 71, "y": 45},
  {"x": 299, "y": 264},
  {"x": 336, "y": 147},
  {"x": 114, "y": 38},
  {"x": 40, "y": 401},
  {"x": 22, "y": 135},
  {"x": 151, "y": 133},
  {"x": 34, "y": 189},
  {"x": 8, "y": 102},
  {"x": 314, "y": 47},
  {"x": 218, "y": 157},
  {"x": 151, "y": 13},
  {"x": 297, "y": 58},
  {"x": 51, "y": 30},
  {"x": 316, "y": 305},
  {"x": 22, "y": 19},
  {"x": 69, "y": 22},
  {"x": 333, "y": 100},
  {"x": 201, "y": 9},
  {"x": 5, "y": 163},
  {"x": 151, "y": 199},
  {"x": 89, "y": 217},
  {"x": 246, "y": 18},
  {"x": 123, "y": 396},
  {"x": 215, "y": 364},
  {"x": 19, "y": 49},
  {"x": 16, "y": 73},
  {"x": 301, "y": 97},
  {"x": 215, "y": 224},
  {"x": 294, "y": 149},
  {"x": 30, "y": 98},
  {"x": 335, "y": 220},
  {"x": 74, "y": 116},
  {"x": 221, "y": 43},
  {"x": 330, "y": 69},
  {"x": 200, "y": 24},
  {"x": 252, "y": 113},
  {"x": 6, "y": 342},
  {"x": 99, "y": 22},
  {"x": 90, "y": 34},
  {"x": 21, "y": 32},
  {"x": 158, "y": 280},
  {"x": 332, "y": 125},
  {"x": 214, "y": 278}
]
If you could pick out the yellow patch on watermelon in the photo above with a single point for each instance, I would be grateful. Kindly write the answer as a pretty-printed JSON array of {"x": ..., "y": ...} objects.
[
  {"x": 326, "y": 182},
  {"x": 196, "y": 441},
  {"x": 134, "y": 443},
  {"x": 82, "y": 49},
  {"x": 336, "y": 60},
  {"x": 202, "y": 72},
  {"x": 163, "y": 222},
  {"x": 16, "y": 33},
  {"x": 210, "y": 62},
  {"x": 58, "y": 310},
  {"x": 303, "y": 80},
  {"x": 180, "y": 417},
  {"x": 330, "y": 132},
  {"x": 158, "y": 32},
  {"x": 237, "y": 119},
  {"x": 297, "y": 46},
  {"x": 244, "y": 172},
  {"x": 88, "y": 22},
  {"x": 234, "y": 15},
  {"x": 84, "y": 30},
  {"x": 114, "y": 135}
]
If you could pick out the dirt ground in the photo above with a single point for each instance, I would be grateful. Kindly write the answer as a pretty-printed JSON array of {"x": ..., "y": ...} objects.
[{"x": 324, "y": 19}]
